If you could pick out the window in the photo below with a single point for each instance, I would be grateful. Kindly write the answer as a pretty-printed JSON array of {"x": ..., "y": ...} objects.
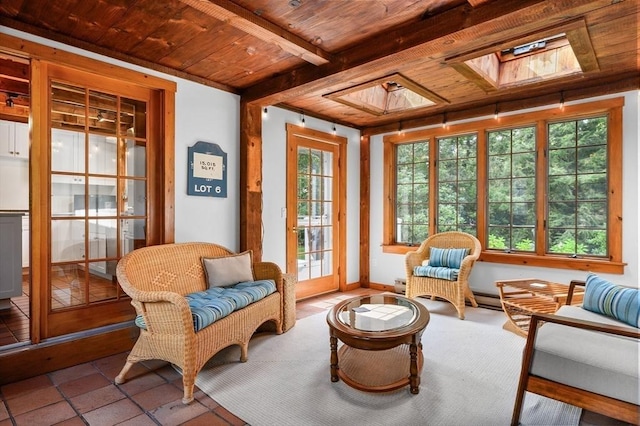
[
  {"x": 512, "y": 189},
  {"x": 412, "y": 192},
  {"x": 457, "y": 184},
  {"x": 577, "y": 207},
  {"x": 539, "y": 189}
]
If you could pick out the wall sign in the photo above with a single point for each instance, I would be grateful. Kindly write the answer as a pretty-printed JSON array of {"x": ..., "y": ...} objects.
[{"x": 207, "y": 170}]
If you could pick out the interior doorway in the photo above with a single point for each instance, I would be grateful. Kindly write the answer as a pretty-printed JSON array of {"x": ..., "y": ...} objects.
[{"x": 15, "y": 141}]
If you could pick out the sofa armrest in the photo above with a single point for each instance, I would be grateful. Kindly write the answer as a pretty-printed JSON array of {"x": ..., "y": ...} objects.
[
  {"x": 268, "y": 271},
  {"x": 572, "y": 287},
  {"x": 289, "y": 301},
  {"x": 466, "y": 265},
  {"x": 164, "y": 312},
  {"x": 413, "y": 259}
]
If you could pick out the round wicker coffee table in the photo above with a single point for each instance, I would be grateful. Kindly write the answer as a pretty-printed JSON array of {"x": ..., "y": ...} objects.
[{"x": 381, "y": 348}]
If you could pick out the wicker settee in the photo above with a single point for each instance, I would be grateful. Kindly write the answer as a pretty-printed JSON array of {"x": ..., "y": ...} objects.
[{"x": 157, "y": 278}]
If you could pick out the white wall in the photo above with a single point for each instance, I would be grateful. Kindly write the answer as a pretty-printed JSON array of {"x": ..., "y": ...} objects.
[
  {"x": 202, "y": 114},
  {"x": 209, "y": 115},
  {"x": 274, "y": 137},
  {"x": 385, "y": 268}
]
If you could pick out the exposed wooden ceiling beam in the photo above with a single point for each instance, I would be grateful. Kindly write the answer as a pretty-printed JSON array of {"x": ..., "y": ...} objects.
[
  {"x": 455, "y": 26},
  {"x": 242, "y": 19}
]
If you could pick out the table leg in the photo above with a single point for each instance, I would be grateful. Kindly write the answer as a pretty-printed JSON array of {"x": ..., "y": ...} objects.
[
  {"x": 414, "y": 378},
  {"x": 334, "y": 358}
]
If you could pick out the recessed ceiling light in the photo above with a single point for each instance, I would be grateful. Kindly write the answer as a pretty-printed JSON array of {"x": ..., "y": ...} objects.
[{"x": 294, "y": 3}]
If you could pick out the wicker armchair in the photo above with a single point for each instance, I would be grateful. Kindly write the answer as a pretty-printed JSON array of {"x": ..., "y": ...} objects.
[
  {"x": 452, "y": 291},
  {"x": 158, "y": 277}
]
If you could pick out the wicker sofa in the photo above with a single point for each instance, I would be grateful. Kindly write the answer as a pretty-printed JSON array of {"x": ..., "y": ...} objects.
[{"x": 157, "y": 278}]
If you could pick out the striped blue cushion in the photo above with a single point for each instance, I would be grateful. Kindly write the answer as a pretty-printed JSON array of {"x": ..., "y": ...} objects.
[
  {"x": 441, "y": 272},
  {"x": 216, "y": 303},
  {"x": 603, "y": 297},
  {"x": 449, "y": 258},
  {"x": 208, "y": 308}
]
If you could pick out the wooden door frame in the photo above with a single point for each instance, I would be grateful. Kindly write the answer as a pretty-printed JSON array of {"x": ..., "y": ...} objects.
[
  {"x": 38, "y": 55},
  {"x": 341, "y": 197}
]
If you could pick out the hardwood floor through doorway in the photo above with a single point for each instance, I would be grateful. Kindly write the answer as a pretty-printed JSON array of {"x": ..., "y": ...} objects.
[{"x": 14, "y": 322}]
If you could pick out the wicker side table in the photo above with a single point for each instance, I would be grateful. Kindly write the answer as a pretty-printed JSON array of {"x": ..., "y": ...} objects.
[{"x": 522, "y": 297}]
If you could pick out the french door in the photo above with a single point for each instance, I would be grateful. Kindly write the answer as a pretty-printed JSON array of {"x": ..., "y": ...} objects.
[
  {"x": 315, "y": 210},
  {"x": 95, "y": 198}
]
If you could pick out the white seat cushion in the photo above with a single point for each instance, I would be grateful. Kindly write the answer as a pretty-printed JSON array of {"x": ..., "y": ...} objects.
[{"x": 597, "y": 362}]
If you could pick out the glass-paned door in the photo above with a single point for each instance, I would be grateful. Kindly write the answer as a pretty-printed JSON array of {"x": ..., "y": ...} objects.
[
  {"x": 98, "y": 144},
  {"x": 312, "y": 215}
]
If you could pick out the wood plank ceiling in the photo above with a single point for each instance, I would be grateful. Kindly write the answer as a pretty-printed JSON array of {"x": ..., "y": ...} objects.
[{"x": 297, "y": 53}]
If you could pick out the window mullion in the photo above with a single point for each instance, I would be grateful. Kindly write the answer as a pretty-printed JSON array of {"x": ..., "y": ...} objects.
[
  {"x": 542, "y": 185},
  {"x": 433, "y": 182}
]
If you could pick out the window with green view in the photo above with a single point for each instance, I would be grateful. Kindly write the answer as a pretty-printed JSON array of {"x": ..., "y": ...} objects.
[
  {"x": 457, "y": 184},
  {"x": 577, "y": 194},
  {"x": 541, "y": 188},
  {"x": 412, "y": 192},
  {"x": 512, "y": 189}
]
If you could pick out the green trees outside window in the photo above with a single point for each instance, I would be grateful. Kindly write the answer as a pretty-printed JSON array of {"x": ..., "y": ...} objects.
[
  {"x": 541, "y": 188},
  {"x": 412, "y": 192},
  {"x": 512, "y": 189},
  {"x": 577, "y": 188},
  {"x": 457, "y": 184}
]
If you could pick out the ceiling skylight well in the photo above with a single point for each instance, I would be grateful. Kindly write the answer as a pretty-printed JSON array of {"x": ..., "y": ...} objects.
[
  {"x": 544, "y": 58},
  {"x": 387, "y": 95}
]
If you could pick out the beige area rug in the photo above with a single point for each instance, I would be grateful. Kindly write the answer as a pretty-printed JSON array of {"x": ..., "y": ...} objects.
[{"x": 470, "y": 374}]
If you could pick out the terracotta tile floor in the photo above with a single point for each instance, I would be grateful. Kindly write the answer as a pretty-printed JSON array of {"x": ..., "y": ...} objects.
[{"x": 86, "y": 394}]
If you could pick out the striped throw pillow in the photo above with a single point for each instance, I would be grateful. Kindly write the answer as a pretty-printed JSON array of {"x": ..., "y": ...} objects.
[
  {"x": 449, "y": 258},
  {"x": 603, "y": 297}
]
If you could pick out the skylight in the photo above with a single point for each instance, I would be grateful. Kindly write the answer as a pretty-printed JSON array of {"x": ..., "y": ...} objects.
[
  {"x": 387, "y": 95},
  {"x": 550, "y": 56}
]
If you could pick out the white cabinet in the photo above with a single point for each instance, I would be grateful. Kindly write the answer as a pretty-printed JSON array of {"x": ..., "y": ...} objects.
[
  {"x": 67, "y": 240},
  {"x": 98, "y": 249},
  {"x": 14, "y": 139},
  {"x": 14, "y": 184},
  {"x": 25, "y": 241},
  {"x": 98, "y": 244},
  {"x": 102, "y": 155},
  {"x": 67, "y": 155},
  {"x": 10, "y": 262}
]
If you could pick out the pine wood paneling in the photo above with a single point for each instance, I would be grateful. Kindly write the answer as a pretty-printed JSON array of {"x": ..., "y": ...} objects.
[{"x": 260, "y": 48}]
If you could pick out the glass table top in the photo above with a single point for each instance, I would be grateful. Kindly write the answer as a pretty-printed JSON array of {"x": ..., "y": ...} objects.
[{"x": 378, "y": 313}]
